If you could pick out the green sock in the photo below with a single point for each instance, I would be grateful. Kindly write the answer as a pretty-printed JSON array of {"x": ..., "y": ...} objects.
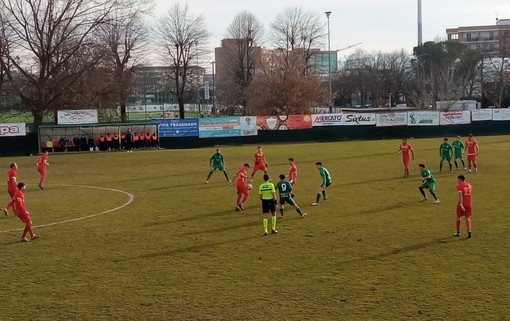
[
  {"x": 264, "y": 222},
  {"x": 299, "y": 211},
  {"x": 318, "y": 198},
  {"x": 210, "y": 173},
  {"x": 441, "y": 166},
  {"x": 422, "y": 192},
  {"x": 450, "y": 166},
  {"x": 273, "y": 221},
  {"x": 433, "y": 194},
  {"x": 226, "y": 175},
  {"x": 281, "y": 211}
]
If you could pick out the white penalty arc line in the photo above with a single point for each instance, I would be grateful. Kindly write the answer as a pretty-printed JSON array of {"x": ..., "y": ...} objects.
[{"x": 130, "y": 196}]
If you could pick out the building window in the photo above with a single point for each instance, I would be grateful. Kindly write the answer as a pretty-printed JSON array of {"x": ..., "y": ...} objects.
[{"x": 454, "y": 36}]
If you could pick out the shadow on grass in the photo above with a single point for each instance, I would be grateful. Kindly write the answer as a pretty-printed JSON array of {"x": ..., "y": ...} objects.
[
  {"x": 187, "y": 249},
  {"x": 221, "y": 229}
]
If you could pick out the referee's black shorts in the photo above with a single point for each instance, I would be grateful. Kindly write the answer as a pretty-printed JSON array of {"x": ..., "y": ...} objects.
[{"x": 268, "y": 206}]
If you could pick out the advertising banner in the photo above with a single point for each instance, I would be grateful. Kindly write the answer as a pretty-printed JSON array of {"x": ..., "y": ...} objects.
[
  {"x": 219, "y": 127},
  {"x": 481, "y": 114},
  {"x": 13, "y": 129},
  {"x": 327, "y": 120},
  {"x": 391, "y": 119},
  {"x": 284, "y": 122},
  {"x": 248, "y": 126},
  {"x": 423, "y": 118},
  {"x": 80, "y": 116},
  {"x": 177, "y": 127},
  {"x": 359, "y": 119},
  {"x": 455, "y": 117},
  {"x": 501, "y": 114}
]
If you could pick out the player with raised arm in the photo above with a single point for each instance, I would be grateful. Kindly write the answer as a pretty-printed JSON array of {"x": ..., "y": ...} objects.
[
  {"x": 12, "y": 186},
  {"x": 242, "y": 188},
  {"x": 428, "y": 182},
  {"x": 472, "y": 152},
  {"x": 445, "y": 153},
  {"x": 458, "y": 150},
  {"x": 41, "y": 164},
  {"x": 407, "y": 152},
  {"x": 326, "y": 182},
  {"x": 260, "y": 162},
  {"x": 267, "y": 195},
  {"x": 292, "y": 172},
  {"x": 21, "y": 212},
  {"x": 284, "y": 188},
  {"x": 464, "y": 204},
  {"x": 217, "y": 161}
]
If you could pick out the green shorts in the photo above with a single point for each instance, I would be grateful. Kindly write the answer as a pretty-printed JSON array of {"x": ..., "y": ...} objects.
[
  {"x": 215, "y": 167},
  {"x": 289, "y": 200},
  {"x": 458, "y": 156},
  {"x": 430, "y": 185},
  {"x": 448, "y": 158}
]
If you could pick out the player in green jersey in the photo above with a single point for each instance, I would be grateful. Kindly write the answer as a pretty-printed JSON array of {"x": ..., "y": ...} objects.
[
  {"x": 326, "y": 182},
  {"x": 217, "y": 162},
  {"x": 267, "y": 195},
  {"x": 284, "y": 188},
  {"x": 428, "y": 182},
  {"x": 445, "y": 153},
  {"x": 458, "y": 150}
]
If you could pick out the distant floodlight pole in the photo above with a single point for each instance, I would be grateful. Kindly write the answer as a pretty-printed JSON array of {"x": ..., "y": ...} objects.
[
  {"x": 328, "y": 13},
  {"x": 420, "y": 25}
]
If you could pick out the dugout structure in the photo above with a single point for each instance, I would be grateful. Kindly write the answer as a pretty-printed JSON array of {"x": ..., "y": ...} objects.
[{"x": 50, "y": 135}]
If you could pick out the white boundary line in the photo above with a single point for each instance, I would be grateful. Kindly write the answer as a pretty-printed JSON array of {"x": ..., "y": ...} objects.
[{"x": 131, "y": 197}]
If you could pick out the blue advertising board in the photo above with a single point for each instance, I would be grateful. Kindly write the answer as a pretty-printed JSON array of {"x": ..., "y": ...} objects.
[
  {"x": 178, "y": 127},
  {"x": 219, "y": 127}
]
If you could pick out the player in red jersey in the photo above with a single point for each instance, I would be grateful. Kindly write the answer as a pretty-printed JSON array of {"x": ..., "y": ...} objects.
[
  {"x": 41, "y": 164},
  {"x": 472, "y": 152},
  {"x": 22, "y": 213},
  {"x": 407, "y": 152},
  {"x": 260, "y": 162},
  {"x": 11, "y": 186},
  {"x": 242, "y": 188},
  {"x": 464, "y": 204},
  {"x": 292, "y": 172}
]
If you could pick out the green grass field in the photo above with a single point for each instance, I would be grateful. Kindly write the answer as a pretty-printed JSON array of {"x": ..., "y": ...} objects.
[{"x": 179, "y": 251}]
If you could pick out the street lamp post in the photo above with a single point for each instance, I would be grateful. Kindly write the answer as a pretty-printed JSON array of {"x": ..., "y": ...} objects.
[
  {"x": 328, "y": 13},
  {"x": 213, "y": 111}
]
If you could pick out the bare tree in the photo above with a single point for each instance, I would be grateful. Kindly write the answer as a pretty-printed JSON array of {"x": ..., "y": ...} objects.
[
  {"x": 183, "y": 37},
  {"x": 241, "y": 55},
  {"x": 124, "y": 36},
  {"x": 297, "y": 29},
  {"x": 46, "y": 36}
]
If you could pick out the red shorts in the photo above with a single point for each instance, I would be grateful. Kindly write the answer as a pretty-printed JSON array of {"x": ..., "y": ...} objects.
[
  {"x": 467, "y": 213},
  {"x": 259, "y": 167},
  {"x": 42, "y": 170},
  {"x": 242, "y": 189},
  {"x": 292, "y": 181},
  {"x": 471, "y": 158},
  {"x": 406, "y": 160},
  {"x": 24, "y": 217}
]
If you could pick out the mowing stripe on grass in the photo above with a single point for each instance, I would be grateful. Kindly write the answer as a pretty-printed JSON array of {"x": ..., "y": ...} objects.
[{"x": 131, "y": 197}]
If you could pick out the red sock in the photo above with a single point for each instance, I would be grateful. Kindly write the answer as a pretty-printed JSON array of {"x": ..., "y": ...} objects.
[
  {"x": 458, "y": 225},
  {"x": 9, "y": 205},
  {"x": 468, "y": 224},
  {"x": 239, "y": 196},
  {"x": 41, "y": 180},
  {"x": 245, "y": 198}
]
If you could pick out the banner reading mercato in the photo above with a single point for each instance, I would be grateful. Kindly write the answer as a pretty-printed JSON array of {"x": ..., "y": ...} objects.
[
  {"x": 455, "y": 117},
  {"x": 359, "y": 119},
  {"x": 391, "y": 119},
  {"x": 13, "y": 129},
  {"x": 481, "y": 114},
  {"x": 284, "y": 122},
  {"x": 423, "y": 118},
  {"x": 178, "y": 127},
  {"x": 219, "y": 127},
  {"x": 319, "y": 120},
  {"x": 501, "y": 114},
  {"x": 80, "y": 116}
]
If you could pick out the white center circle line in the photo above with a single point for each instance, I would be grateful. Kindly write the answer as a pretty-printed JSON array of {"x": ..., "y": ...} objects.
[{"x": 131, "y": 197}]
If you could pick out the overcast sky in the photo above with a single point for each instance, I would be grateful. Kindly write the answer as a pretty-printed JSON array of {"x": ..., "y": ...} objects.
[{"x": 379, "y": 24}]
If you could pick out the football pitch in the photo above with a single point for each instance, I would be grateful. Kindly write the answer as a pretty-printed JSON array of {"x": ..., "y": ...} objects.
[{"x": 140, "y": 236}]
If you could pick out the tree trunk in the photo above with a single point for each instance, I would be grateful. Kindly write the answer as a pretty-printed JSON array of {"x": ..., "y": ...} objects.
[
  {"x": 180, "y": 101},
  {"x": 123, "y": 114},
  {"x": 38, "y": 116}
]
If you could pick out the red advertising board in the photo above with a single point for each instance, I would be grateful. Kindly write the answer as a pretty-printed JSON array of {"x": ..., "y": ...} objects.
[{"x": 284, "y": 122}]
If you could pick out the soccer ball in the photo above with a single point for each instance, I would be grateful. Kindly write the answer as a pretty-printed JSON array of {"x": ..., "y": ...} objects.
[{"x": 249, "y": 186}]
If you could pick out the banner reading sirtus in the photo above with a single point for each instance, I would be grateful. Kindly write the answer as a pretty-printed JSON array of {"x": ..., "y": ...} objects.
[{"x": 284, "y": 122}]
